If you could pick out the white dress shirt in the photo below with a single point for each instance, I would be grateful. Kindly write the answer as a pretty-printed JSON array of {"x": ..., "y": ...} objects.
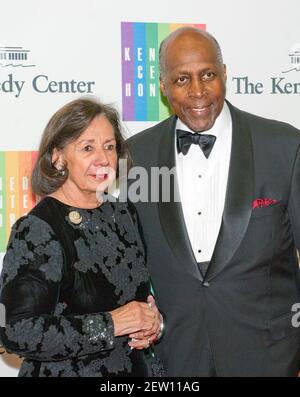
[{"x": 202, "y": 186}]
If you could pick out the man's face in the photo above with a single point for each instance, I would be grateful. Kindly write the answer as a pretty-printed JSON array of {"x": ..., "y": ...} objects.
[{"x": 194, "y": 80}]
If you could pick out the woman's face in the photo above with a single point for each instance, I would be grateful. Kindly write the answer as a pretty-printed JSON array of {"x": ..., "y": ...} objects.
[{"x": 91, "y": 159}]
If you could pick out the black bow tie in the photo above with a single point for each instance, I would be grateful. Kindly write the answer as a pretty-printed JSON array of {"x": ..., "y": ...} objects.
[{"x": 186, "y": 138}]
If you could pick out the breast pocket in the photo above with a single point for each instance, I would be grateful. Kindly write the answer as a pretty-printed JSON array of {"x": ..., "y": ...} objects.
[
  {"x": 261, "y": 237},
  {"x": 271, "y": 210}
]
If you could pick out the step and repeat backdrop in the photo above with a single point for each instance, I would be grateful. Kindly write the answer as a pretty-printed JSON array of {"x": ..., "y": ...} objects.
[{"x": 52, "y": 52}]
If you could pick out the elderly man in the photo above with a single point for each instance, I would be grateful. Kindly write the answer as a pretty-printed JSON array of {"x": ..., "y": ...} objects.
[{"x": 223, "y": 260}]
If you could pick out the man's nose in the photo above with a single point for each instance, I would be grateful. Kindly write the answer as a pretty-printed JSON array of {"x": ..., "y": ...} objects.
[{"x": 197, "y": 87}]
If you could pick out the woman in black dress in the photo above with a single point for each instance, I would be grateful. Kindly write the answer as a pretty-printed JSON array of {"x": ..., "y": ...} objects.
[{"x": 74, "y": 281}]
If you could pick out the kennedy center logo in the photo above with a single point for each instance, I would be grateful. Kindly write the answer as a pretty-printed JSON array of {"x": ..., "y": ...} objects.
[
  {"x": 14, "y": 56},
  {"x": 141, "y": 97},
  {"x": 294, "y": 57}
]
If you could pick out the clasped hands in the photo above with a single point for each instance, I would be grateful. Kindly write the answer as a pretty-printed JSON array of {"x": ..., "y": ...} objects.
[{"x": 141, "y": 321}]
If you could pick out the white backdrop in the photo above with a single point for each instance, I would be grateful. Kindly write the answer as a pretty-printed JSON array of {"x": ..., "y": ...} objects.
[{"x": 72, "y": 39}]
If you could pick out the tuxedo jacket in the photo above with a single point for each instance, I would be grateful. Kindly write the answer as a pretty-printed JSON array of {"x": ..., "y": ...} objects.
[{"x": 244, "y": 302}]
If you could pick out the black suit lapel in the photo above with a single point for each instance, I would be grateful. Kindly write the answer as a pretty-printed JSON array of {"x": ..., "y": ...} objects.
[
  {"x": 239, "y": 195},
  {"x": 170, "y": 212}
]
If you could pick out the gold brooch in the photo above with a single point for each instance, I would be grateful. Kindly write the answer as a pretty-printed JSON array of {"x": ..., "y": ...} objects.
[{"x": 75, "y": 217}]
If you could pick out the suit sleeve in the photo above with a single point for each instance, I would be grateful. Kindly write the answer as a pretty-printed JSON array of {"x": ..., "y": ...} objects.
[
  {"x": 294, "y": 200},
  {"x": 29, "y": 290}
]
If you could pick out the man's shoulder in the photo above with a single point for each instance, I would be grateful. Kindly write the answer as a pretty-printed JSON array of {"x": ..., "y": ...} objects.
[
  {"x": 263, "y": 125},
  {"x": 151, "y": 135}
]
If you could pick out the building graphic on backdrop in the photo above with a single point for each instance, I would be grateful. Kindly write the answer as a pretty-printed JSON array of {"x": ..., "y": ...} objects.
[
  {"x": 294, "y": 57},
  {"x": 16, "y": 198},
  {"x": 141, "y": 97},
  {"x": 14, "y": 56}
]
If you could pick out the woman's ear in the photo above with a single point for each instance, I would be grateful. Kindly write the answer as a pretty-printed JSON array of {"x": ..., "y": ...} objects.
[{"x": 57, "y": 159}]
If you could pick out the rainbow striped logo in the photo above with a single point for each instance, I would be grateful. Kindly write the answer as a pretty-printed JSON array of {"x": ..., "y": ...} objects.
[
  {"x": 141, "y": 97},
  {"x": 16, "y": 198}
]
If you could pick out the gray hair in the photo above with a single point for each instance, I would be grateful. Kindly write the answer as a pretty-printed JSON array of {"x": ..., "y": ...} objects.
[{"x": 164, "y": 43}]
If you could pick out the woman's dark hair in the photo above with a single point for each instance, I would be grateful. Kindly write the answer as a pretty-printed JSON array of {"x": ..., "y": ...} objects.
[{"x": 65, "y": 126}]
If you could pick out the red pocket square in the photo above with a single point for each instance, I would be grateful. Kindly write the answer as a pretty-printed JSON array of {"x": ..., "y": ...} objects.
[{"x": 263, "y": 202}]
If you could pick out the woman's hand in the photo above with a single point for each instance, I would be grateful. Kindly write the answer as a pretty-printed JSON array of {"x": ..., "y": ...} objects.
[
  {"x": 144, "y": 338},
  {"x": 133, "y": 317}
]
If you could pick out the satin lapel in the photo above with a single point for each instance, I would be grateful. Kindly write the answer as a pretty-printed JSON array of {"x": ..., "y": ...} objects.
[
  {"x": 239, "y": 195},
  {"x": 170, "y": 212}
]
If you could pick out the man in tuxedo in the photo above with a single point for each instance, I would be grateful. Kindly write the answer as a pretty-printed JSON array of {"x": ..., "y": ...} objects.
[{"x": 223, "y": 260}]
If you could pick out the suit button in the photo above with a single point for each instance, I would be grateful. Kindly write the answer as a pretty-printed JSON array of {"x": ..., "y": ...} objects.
[{"x": 205, "y": 284}]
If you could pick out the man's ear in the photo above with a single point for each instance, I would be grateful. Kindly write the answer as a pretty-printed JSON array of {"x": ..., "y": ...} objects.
[
  {"x": 162, "y": 86},
  {"x": 57, "y": 159},
  {"x": 225, "y": 72}
]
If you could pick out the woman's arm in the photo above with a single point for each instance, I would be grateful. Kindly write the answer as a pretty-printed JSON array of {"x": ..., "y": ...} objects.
[{"x": 30, "y": 282}]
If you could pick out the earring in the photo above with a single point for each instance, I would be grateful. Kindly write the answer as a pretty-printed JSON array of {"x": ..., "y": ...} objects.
[{"x": 61, "y": 170}]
